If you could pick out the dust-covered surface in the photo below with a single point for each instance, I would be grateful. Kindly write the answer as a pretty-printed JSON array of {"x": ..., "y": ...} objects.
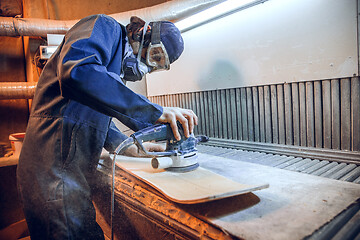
[{"x": 293, "y": 207}]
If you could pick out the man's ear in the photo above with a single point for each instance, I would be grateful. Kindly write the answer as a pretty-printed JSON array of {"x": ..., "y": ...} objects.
[
  {"x": 135, "y": 24},
  {"x": 132, "y": 30}
]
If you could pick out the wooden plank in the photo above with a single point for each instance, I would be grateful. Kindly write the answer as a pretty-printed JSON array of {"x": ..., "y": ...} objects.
[
  {"x": 244, "y": 114},
  {"x": 234, "y": 127},
  {"x": 171, "y": 103},
  {"x": 205, "y": 111},
  {"x": 228, "y": 114},
  {"x": 194, "y": 108},
  {"x": 310, "y": 121},
  {"x": 318, "y": 114},
  {"x": 223, "y": 114},
  {"x": 153, "y": 99},
  {"x": 156, "y": 99},
  {"x": 326, "y": 94},
  {"x": 211, "y": 114},
  {"x": 216, "y": 113},
  {"x": 189, "y": 105},
  {"x": 175, "y": 100},
  {"x": 202, "y": 113},
  {"x": 168, "y": 100},
  {"x": 355, "y": 113},
  {"x": 239, "y": 114},
  {"x": 218, "y": 103},
  {"x": 302, "y": 109},
  {"x": 178, "y": 100},
  {"x": 267, "y": 115},
  {"x": 289, "y": 139},
  {"x": 335, "y": 114},
  {"x": 345, "y": 91},
  {"x": 162, "y": 100},
  {"x": 250, "y": 113},
  {"x": 274, "y": 114},
  {"x": 168, "y": 103},
  {"x": 189, "y": 101},
  {"x": 262, "y": 115},
  {"x": 184, "y": 100},
  {"x": 197, "y": 186},
  {"x": 281, "y": 113},
  {"x": 255, "y": 95},
  {"x": 295, "y": 113},
  {"x": 198, "y": 112}
]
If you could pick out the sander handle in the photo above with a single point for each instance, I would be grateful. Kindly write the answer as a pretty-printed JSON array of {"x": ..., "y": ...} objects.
[{"x": 158, "y": 132}]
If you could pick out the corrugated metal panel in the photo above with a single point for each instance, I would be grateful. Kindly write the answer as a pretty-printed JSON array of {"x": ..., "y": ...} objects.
[
  {"x": 341, "y": 171},
  {"x": 321, "y": 114}
]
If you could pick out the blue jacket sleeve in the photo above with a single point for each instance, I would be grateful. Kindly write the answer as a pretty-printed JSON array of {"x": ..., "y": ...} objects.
[
  {"x": 91, "y": 48},
  {"x": 114, "y": 138}
]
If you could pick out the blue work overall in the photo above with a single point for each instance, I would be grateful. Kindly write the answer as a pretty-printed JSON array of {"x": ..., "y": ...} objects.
[{"x": 78, "y": 92}]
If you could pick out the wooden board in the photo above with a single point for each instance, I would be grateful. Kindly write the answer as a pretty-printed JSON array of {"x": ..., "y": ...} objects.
[{"x": 197, "y": 186}]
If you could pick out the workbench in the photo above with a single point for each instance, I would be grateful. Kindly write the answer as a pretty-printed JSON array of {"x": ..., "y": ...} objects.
[{"x": 295, "y": 206}]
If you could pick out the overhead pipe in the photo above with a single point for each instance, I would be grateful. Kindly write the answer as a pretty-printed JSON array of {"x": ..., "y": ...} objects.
[
  {"x": 17, "y": 90},
  {"x": 15, "y": 27},
  {"x": 171, "y": 11}
]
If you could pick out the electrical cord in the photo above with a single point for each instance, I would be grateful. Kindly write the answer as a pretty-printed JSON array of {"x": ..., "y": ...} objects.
[{"x": 119, "y": 150}]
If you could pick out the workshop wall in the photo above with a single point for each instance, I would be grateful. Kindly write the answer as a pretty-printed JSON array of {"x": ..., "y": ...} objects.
[
  {"x": 274, "y": 42},
  {"x": 282, "y": 72}
]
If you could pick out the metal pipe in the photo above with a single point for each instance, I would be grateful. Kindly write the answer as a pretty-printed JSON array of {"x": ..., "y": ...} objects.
[
  {"x": 14, "y": 27},
  {"x": 171, "y": 11},
  {"x": 17, "y": 90}
]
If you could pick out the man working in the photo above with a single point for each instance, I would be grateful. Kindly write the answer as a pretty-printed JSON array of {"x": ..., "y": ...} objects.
[{"x": 78, "y": 92}]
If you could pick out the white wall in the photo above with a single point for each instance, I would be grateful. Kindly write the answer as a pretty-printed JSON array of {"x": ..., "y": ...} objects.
[{"x": 275, "y": 42}]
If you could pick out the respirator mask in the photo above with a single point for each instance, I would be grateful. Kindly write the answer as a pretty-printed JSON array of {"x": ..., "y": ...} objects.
[{"x": 133, "y": 68}]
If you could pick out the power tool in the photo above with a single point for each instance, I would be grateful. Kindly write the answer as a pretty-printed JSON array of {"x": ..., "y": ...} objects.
[{"x": 179, "y": 156}]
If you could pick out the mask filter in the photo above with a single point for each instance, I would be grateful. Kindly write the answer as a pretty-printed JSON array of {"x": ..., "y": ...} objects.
[{"x": 133, "y": 69}]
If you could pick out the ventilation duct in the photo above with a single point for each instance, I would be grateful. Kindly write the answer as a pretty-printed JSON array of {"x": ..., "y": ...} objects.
[{"x": 171, "y": 11}]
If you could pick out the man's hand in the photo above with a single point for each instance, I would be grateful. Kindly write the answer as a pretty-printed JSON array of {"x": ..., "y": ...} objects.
[
  {"x": 186, "y": 117},
  {"x": 133, "y": 151}
]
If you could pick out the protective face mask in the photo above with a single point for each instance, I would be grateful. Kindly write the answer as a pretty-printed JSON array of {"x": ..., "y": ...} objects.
[{"x": 133, "y": 69}]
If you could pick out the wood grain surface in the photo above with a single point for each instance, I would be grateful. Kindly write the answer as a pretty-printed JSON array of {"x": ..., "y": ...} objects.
[{"x": 192, "y": 187}]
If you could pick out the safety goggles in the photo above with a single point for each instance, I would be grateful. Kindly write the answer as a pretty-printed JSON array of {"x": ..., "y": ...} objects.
[{"x": 156, "y": 55}]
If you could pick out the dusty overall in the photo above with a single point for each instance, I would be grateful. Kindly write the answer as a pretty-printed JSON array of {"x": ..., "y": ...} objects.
[{"x": 70, "y": 122}]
